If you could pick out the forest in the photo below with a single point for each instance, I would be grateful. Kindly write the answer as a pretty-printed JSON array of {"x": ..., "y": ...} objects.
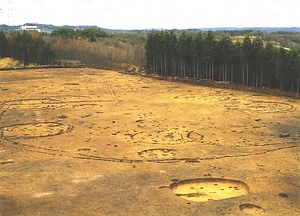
[
  {"x": 250, "y": 61},
  {"x": 91, "y": 47},
  {"x": 27, "y": 47}
]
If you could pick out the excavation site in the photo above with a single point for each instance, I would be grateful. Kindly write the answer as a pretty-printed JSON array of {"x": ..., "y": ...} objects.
[{"x": 83, "y": 141}]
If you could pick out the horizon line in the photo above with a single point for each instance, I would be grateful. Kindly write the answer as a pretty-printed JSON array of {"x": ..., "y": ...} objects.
[{"x": 161, "y": 28}]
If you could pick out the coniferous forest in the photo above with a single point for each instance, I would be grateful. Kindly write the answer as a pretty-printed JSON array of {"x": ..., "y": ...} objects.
[
  {"x": 251, "y": 61},
  {"x": 28, "y": 47}
]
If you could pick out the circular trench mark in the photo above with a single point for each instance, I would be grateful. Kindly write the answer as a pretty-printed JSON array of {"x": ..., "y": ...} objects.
[
  {"x": 33, "y": 104},
  {"x": 221, "y": 97},
  {"x": 209, "y": 189},
  {"x": 157, "y": 154},
  {"x": 259, "y": 106},
  {"x": 270, "y": 106},
  {"x": 29, "y": 131},
  {"x": 251, "y": 209},
  {"x": 167, "y": 136}
]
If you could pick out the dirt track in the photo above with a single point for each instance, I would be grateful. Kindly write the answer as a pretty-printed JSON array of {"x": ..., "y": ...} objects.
[{"x": 95, "y": 142}]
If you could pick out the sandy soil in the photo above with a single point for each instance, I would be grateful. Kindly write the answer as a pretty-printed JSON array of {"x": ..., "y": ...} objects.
[{"x": 95, "y": 142}]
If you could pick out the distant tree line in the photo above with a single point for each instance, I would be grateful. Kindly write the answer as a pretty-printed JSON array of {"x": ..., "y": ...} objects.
[
  {"x": 66, "y": 46},
  {"x": 27, "y": 47},
  {"x": 92, "y": 34},
  {"x": 204, "y": 56}
]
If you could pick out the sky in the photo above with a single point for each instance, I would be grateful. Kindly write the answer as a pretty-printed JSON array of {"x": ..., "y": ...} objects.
[{"x": 145, "y": 14}]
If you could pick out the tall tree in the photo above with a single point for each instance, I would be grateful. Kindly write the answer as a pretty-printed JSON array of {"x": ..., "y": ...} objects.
[
  {"x": 198, "y": 55},
  {"x": 269, "y": 59},
  {"x": 246, "y": 56},
  {"x": 294, "y": 68},
  {"x": 223, "y": 50},
  {"x": 209, "y": 53},
  {"x": 4, "y": 47},
  {"x": 281, "y": 63},
  {"x": 234, "y": 59},
  {"x": 172, "y": 52},
  {"x": 150, "y": 54},
  {"x": 257, "y": 62},
  {"x": 181, "y": 50}
]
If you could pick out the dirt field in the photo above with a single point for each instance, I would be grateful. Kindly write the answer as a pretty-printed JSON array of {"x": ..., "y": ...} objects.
[{"x": 95, "y": 142}]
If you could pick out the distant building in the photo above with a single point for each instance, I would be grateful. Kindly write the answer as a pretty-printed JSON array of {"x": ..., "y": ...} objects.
[{"x": 29, "y": 28}]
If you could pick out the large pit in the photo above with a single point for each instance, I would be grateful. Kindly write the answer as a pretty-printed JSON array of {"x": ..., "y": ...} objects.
[{"x": 209, "y": 189}]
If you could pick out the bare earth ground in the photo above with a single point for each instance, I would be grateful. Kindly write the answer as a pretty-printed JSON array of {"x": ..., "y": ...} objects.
[{"x": 95, "y": 142}]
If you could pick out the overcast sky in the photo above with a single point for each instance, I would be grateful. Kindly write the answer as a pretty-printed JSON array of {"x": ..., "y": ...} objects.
[{"x": 167, "y": 14}]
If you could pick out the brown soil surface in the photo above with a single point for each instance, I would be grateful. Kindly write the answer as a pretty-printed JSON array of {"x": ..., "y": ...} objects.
[{"x": 95, "y": 142}]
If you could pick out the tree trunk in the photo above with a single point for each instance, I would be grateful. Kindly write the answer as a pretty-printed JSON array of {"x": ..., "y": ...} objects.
[
  {"x": 156, "y": 66},
  {"x": 184, "y": 70},
  {"x": 212, "y": 69},
  {"x": 232, "y": 73},
  {"x": 261, "y": 78},
  {"x": 226, "y": 72},
  {"x": 173, "y": 66},
  {"x": 243, "y": 75},
  {"x": 161, "y": 66},
  {"x": 206, "y": 71},
  {"x": 197, "y": 69},
  {"x": 256, "y": 80},
  {"x": 247, "y": 73},
  {"x": 166, "y": 72}
]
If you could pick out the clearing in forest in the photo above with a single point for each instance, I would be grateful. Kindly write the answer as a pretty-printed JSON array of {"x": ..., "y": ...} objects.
[{"x": 96, "y": 142}]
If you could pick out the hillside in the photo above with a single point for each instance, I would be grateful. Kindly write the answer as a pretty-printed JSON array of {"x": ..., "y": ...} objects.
[{"x": 286, "y": 36}]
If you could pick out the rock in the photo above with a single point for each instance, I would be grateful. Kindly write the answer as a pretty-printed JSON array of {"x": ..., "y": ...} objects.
[
  {"x": 161, "y": 187},
  {"x": 86, "y": 116},
  {"x": 62, "y": 116},
  {"x": 283, "y": 195},
  {"x": 6, "y": 162},
  {"x": 257, "y": 119},
  {"x": 83, "y": 149},
  {"x": 284, "y": 135}
]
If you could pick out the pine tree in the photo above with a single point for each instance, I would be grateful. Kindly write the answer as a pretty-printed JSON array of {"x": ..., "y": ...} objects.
[
  {"x": 257, "y": 62},
  {"x": 4, "y": 47},
  {"x": 269, "y": 59},
  {"x": 294, "y": 68},
  {"x": 281, "y": 63},
  {"x": 234, "y": 59},
  {"x": 149, "y": 47},
  {"x": 181, "y": 50},
  {"x": 246, "y": 57},
  {"x": 172, "y": 53},
  {"x": 209, "y": 54},
  {"x": 223, "y": 54},
  {"x": 198, "y": 55}
]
